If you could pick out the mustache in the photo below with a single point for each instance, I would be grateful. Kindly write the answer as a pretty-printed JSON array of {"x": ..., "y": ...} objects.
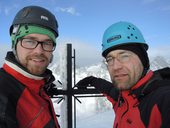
[{"x": 37, "y": 56}]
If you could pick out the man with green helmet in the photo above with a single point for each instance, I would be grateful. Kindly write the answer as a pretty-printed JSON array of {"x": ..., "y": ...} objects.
[
  {"x": 139, "y": 95},
  {"x": 25, "y": 79}
]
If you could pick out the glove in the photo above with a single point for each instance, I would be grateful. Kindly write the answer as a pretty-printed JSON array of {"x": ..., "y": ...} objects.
[
  {"x": 51, "y": 90},
  {"x": 87, "y": 81},
  {"x": 102, "y": 85}
]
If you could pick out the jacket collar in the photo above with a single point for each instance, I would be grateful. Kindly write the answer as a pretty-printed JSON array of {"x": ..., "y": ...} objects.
[
  {"x": 137, "y": 89},
  {"x": 33, "y": 82}
]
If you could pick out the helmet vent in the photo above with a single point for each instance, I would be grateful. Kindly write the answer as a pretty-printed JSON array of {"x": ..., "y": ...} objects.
[{"x": 130, "y": 27}]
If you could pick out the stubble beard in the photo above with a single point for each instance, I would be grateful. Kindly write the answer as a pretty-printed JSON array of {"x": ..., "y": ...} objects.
[{"x": 36, "y": 69}]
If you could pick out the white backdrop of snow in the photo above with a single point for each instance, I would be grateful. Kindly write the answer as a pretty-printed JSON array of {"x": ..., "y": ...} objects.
[{"x": 93, "y": 112}]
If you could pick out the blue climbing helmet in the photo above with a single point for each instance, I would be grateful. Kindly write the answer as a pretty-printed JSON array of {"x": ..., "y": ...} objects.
[{"x": 121, "y": 33}]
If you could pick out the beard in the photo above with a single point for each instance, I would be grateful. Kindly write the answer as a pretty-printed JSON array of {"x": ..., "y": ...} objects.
[
  {"x": 122, "y": 84},
  {"x": 36, "y": 64}
]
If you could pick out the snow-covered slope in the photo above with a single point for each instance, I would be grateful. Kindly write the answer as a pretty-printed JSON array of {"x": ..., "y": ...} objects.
[
  {"x": 97, "y": 112},
  {"x": 159, "y": 62}
]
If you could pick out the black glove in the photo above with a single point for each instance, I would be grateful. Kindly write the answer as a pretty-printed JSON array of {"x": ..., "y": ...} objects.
[
  {"x": 51, "y": 90},
  {"x": 87, "y": 81},
  {"x": 102, "y": 85}
]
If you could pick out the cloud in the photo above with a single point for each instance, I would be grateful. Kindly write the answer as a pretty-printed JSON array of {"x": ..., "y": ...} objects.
[
  {"x": 159, "y": 51},
  {"x": 70, "y": 10},
  {"x": 8, "y": 9},
  {"x": 86, "y": 54}
]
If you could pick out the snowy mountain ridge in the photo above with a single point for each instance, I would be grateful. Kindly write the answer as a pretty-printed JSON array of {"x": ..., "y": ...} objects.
[{"x": 100, "y": 69}]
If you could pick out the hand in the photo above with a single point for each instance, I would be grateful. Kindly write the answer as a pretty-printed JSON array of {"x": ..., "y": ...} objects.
[
  {"x": 87, "y": 81},
  {"x": 102, "y": 85},
  {"x": 51, "y": 89}
]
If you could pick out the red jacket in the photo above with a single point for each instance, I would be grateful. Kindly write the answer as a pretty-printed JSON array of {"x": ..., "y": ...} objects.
[
  {"x": 146, "y": 105},
  {"x": 26, "y": 104}
]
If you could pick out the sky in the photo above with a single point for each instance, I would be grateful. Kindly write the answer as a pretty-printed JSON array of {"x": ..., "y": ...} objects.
[{"x": 83, "y": 22}]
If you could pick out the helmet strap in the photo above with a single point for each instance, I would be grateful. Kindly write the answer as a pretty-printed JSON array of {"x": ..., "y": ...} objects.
[
  {"x": 51, "y": 59},
  {"x": 14, "y": 41}
]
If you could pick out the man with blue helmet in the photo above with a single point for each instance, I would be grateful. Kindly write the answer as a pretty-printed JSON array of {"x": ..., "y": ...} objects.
[{"x": 138, "y": 94}]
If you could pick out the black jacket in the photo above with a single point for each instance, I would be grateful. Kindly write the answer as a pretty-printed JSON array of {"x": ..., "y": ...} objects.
[{"x": 146, "y": 105}]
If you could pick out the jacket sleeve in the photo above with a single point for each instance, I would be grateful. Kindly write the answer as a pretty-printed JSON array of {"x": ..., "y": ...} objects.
[
  {"x": 7, "y": 112},
  {"x": 8, "y": 101},
  {"x": 159, "y": 103},
  {"x": 164, "y": 103},
  {"x": 108, "y": 89}
]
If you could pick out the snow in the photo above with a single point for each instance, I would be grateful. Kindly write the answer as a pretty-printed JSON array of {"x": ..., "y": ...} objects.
[
  {"x": 99, "y": 120},
  {"x": 92, "y": 112},
  {"x": 89, "y": 113}
]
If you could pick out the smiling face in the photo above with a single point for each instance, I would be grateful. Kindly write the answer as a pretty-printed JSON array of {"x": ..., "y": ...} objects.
[
  {"x": 125, "y": 69},
  {"x": 34, "y": 60}
]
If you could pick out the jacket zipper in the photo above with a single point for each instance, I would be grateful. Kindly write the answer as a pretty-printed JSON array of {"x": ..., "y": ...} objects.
[{"x": 36, "y": 116}]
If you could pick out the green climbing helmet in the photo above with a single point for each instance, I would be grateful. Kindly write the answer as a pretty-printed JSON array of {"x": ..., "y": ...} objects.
[{"x": 121, "y": 33}]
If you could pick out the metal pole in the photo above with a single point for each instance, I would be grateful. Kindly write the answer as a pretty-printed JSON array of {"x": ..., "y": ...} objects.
[
  {"x": 74, "y": 63},
  {"x": 69, "y": 84}
]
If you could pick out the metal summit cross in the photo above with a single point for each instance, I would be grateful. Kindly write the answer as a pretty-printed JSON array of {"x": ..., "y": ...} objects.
[{"x": 71, "y": 91}]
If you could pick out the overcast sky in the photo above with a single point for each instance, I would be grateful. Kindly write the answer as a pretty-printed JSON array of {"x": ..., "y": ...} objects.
[{"x": 83, "y": 22}]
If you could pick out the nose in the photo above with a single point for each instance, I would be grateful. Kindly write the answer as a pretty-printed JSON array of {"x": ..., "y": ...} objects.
[
  {"x": 39, "y": 48},
  {"x": 117, "y": 65}
]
